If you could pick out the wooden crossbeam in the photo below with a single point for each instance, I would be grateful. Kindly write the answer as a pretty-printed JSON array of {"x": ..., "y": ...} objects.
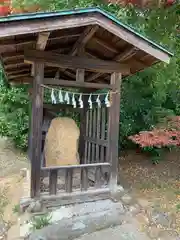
[
  {"x": 76, "y": 84},
  {"x": 25, "y": 72},
  {"x": 128, "y": 53},
  {"x": 18, "y": 71},
  {"x": 15, "y": 66},
  {"x": 16, "y": 56},
  {"x": 18, "y": 76},
  {"x": 105, "y": 45},
  {"x": 72, "y": 62},
  {"x": 13, "y": 43},
  {"x": 12, "y": 58},
  {"x": 23, "y": 80},
  {"x": 12, "y": 47}
]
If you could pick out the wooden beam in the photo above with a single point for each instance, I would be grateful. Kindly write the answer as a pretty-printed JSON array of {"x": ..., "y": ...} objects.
[
  {"x": 12, "y": 57},
  {"x": 15, "y": 43},
  {"x": 76, "y": 166},
  {"x": 113, "y": 129},
  {"x": 62, "y": 36},
  {"x": 36, "y": 128},
  {"x": 127, "y": 54},
  {"x": 18, "y": 71},
  {"x": 12, "y": 47},
  {"x": 24, "y": 80},
  {"x": 82, "y": 40},
  {"x": 40, "y": 45},
  {"x": 105, "y": 45},
  {"x": 18, "y": 76},
  {"x": 50, "y": 24},
  {"x": 66, "y": 83},
  {"x": 15, "y": 65},
  {"x": 93, "y": 76},
  {"x": 72, "y": 62}
]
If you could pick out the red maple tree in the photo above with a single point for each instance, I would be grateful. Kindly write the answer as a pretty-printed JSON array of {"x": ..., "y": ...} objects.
[{"x": 167, "y": 134}]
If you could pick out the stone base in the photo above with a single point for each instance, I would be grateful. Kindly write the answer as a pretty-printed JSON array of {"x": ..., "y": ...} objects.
[
  {"x": 74, "y": 220},
  {"x": 124, "y": 232}
]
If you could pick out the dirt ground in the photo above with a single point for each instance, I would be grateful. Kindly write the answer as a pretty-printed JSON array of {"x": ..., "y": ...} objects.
[
  {"x": 11, "y": 161},
  {"x": 158, "y": 184}
]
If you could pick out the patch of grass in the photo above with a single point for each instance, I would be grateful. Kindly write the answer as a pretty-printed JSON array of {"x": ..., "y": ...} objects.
[
  {"x": 178, "y": 207},
  {"x": 39, "y": 222},
  {"x": 3, "y": 201},
  {"x": 16, "y": 208}
]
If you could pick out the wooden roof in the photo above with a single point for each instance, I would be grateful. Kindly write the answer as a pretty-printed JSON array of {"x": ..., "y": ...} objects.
[{"x": 90, "y": 33}]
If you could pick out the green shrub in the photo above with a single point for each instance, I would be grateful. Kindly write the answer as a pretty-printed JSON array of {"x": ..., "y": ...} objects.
[{"x": 14, "y": 113}]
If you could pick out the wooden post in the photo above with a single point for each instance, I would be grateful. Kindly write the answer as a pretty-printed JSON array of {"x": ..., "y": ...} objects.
[
  {"x": 80, "y": 74},
  {"x": 114, "y": 113},
  {"x": 37, "y": 116}
]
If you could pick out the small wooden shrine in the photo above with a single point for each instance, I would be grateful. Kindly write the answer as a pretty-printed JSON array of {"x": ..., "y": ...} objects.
[{"x": 89, "y": 50}]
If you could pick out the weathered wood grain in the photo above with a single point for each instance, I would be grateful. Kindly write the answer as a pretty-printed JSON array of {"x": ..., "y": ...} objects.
[{"x": 73, "y": 62}]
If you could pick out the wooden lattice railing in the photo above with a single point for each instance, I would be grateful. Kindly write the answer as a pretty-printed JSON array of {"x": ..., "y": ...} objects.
[{"x": 84, "y": 169}]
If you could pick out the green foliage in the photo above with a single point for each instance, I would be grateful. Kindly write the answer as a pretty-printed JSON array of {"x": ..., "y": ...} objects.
[
  {"x": 147, "y": 97},
  {"x": 178, "y": 207},
  {"x": 14, "y": 113},
  {"x": 39, "y": 222}
]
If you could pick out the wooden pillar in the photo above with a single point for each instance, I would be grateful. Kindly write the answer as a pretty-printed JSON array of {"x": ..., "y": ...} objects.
[
  {"x": 36, "y": 124},
  {"x": 114, "y": 113},
  {"x": 80, "y": 74}
]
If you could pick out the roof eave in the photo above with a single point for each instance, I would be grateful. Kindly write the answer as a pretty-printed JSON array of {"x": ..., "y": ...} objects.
[{"x": 40, "y": 15}]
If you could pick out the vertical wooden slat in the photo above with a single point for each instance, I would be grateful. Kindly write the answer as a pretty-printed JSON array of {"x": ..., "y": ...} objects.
[
  {"x": 98, "y": 133},
  {"x": 114, "y": 113},
  {"x": 94, "y": 135},
  {"x": 103, "y": 123},
  {"x": 36, "y": 140},
  {"x": 98, "y": 177},
  {"x": 103, "y": 127},
  {"x": 106, "y": 122},
  {"x": 53, "y": 182},
  {"x": 89, "y": 135},
  {"x": 30, "y": 133},
  {"x": 68, "y": 180},
  {"x": 106, "y": 150},
  {"x": 84, "y": 179},
  {"x": 82, "y": 135},
  {"x": 86, "y": 143}
]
